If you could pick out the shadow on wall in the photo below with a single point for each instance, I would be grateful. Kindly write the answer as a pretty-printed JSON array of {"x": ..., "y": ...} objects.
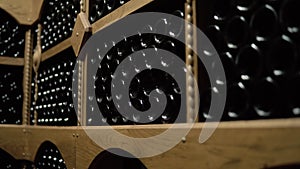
[
  {"x": 106, "y": 159},
  {"x": 289, "y": 166}
]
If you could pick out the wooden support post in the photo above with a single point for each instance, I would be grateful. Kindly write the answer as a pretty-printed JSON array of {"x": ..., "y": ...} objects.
[
  {"x": 191, "y": 61},
  {"x": 27, "y": 78},
  {"x": 82, "y": 73},
  {"x": 26, "y": 12}
]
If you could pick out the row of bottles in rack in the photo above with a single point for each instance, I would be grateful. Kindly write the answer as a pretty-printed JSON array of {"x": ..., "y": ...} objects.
[
  {"x": 145, "y": 78},
  {"x": 258, "y": 44},
  {"x": 54, "y": 105},
  {"x": 11, "y": 95},
  {"x": 48, "y": 156},
  {"x": 12, "y": 36},
  {"x": 58, "y": 18}
]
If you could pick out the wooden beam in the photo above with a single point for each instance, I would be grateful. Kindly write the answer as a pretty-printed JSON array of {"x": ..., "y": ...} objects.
[
  {"x": 240, "y": 144},
  {"x": 8, "y": 60},
  {"x": 12, "y": 140},
  {"x": 62, "y": 137},
  {"x": 26, "y": 12}
]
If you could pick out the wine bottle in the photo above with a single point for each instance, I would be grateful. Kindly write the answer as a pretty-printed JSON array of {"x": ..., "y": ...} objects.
[
  {"x": 265, "y": 98},
  {"x": 48, "y": 156},
  {"x": 292, "y": 92},
  {"x": 97, "y": 8},
  {"x": 238, "y": 102},
  {"x": 237, "y": 32},
  {"x": 264, "y": 23},
  {"x": 213, "y": 32},
  {"x": 249, "y": 62},
  {"x": 289, "y": 20},
  {"x": 281, "y": 57},
  {"x": 222, "y": 9},
  {"x": 244, "y": 5}
]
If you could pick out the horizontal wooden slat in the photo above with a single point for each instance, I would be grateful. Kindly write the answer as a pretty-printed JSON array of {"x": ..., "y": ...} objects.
[
  {"x": 240, "y": 144},
  {"x": 6, "y": 60},
  {"x": 62, "y": 137}
]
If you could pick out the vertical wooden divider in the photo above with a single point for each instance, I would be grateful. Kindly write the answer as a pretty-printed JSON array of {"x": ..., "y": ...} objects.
[
  {"x": 195, "y": 60},
  {"x": 191, "y": 61},
  {"x": 27, "y": 78},
  {"x": 82, "y": 80}
]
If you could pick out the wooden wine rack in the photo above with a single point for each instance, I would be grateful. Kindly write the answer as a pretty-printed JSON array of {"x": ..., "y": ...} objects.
[{"x": 239, "y": 144}]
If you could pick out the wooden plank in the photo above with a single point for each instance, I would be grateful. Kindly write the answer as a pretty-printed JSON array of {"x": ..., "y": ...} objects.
[
  {"x": 86, "y": 150},
  {"x": 56, "y": 49},
  {"x": 243, "y": 144},
  {"x": 62, "y": 137},
  {"x": 7, "y": 60},
  {"x": 240, "y": 144},
  {"x": 119, "y": 13},
  {"x": 12, "y": 140},
  {"x": 26, "y": 12}
]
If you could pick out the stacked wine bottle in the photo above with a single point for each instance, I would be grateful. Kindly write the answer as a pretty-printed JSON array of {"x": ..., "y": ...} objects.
[
  {"x": 12, "y": 36},
  {"x": 258, "y": 42},
  {"x": 11, "y": 94},
  {"x": 55, "y": 105},
  {"x": 100, "y": 8},
  {"x": 58, "y": 19},
  {"x": 47, "y": 157},
  {"x": 143, "y": 82}
]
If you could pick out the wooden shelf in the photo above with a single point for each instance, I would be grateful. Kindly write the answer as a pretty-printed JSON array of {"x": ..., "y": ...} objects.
[
  {"x": 7, "y": 60},
  {"x": 239, "y": 144}
]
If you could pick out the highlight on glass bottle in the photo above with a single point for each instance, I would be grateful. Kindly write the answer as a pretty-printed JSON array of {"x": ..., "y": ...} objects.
[
  {"x": 242, "y": 5},
  {"x": 292, "y": 92}
]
